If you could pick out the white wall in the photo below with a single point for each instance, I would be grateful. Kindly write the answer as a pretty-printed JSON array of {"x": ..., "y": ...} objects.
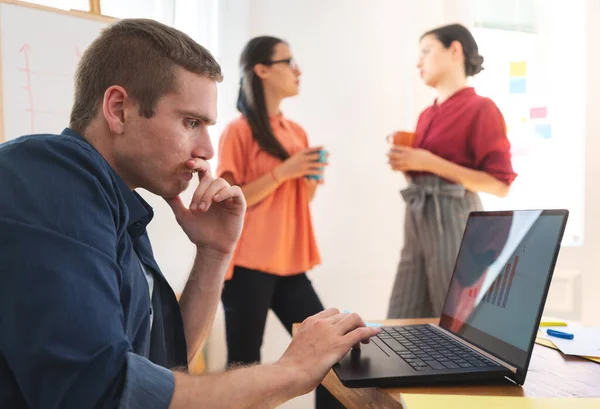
[{"x": 590, "y": 254}]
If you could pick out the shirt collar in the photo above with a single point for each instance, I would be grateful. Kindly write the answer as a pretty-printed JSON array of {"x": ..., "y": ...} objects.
[
  {"x": 278, "y": 120},
  {"x": 463, "y": 92},
  {"x": 140, "y": 212}
]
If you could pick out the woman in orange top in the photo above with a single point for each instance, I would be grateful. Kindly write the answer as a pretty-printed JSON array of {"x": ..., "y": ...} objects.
[{"x": 269, "y": 157}]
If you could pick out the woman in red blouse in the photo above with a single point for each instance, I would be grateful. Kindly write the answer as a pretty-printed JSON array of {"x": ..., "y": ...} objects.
[{"x": 460, "y": 149}]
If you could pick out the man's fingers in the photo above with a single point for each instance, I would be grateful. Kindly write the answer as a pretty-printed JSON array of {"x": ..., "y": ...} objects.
[
  {"x": 205, "y": 180},
  {"x": 361, "y": 334},
  {"x": 199, "y": 165},
  {"x": 329, "y": 312},
  {"x": 231, "y": 192},
  {"x": 349, "y": 322},
  {"x": 216, "y": 186},
  {"x": 337, "y": 318}
]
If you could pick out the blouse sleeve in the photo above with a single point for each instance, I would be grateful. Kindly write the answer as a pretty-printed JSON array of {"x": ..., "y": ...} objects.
[{"x": 489, "y": 144}]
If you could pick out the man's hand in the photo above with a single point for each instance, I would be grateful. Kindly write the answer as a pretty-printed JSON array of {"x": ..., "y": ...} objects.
[
  {"x": 216, "y": 214},
  {"x": 320, "y": 343}
]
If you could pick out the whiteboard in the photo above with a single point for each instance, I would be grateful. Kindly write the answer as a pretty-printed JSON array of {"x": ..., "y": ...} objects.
[{"x": 40, "y": 49}]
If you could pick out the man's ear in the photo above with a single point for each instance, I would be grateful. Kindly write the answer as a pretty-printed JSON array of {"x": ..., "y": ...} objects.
[
  {"x": 261, "y": 70},
  {"x": 113, "y": 108}
]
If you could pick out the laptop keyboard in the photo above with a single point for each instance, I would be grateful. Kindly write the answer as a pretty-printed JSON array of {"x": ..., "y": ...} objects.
[{"x": 423, "y": 348}]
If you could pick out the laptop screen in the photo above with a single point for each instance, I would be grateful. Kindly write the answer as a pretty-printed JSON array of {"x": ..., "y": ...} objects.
[{"x": 501, "y": 279}]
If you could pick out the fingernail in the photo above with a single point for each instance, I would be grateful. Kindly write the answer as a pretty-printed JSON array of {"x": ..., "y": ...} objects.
[
  {"x": 194, "y": 206},
  {"x": 217, "y": 196},
  {"x": 202, "y": 206}
]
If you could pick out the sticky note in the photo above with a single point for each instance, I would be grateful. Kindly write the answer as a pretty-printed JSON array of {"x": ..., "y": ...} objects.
[
  {"x": 518, "y": 86},
  {"x": 428, "y": 401},
  {"x": 538, "y": 112},
  {"x": 544, "y": 131},
  {"x": 518, "y": 69}
]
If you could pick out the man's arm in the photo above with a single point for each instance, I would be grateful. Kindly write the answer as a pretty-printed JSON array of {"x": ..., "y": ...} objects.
[
  {"x": 321, "y": 341},
  {"x": 213, "y": 222},
  {"x": 264, "y": 386},
  {"x": 201, "y": 296}
]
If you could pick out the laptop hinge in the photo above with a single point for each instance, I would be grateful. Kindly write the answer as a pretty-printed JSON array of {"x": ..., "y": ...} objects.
[{"x": 510, "y": 367}]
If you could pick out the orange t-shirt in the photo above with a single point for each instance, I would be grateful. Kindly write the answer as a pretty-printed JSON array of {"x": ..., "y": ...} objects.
[{"x": 278, "y": 236}]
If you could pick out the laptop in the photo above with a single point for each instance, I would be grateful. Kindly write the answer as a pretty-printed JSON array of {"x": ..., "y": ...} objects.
[{"x": 490, "y": 317}]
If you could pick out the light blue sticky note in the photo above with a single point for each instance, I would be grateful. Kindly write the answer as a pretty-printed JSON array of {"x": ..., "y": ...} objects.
[
  {"x": 544, "y": 131},
  {"x": 518, "y": 86}
]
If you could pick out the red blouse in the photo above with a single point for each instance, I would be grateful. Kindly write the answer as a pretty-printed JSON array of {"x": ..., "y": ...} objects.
[{"x": 469, "y": 130}]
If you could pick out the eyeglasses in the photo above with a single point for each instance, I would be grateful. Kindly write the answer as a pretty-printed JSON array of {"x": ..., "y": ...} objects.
[{"x": 289, "y": 61}]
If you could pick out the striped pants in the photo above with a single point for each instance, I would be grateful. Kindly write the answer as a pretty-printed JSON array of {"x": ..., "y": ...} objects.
[{"x": 436, "y": 215}]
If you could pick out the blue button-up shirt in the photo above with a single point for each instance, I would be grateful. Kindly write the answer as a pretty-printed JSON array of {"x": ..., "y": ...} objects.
[{"x": 75, "y": 309}]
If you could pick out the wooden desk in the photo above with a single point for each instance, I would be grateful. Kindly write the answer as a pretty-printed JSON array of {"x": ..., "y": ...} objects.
[{"x": 550, "y": 374}]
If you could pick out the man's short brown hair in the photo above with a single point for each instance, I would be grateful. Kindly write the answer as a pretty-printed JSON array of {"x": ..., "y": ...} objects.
[{"x": 142, "y": 56}]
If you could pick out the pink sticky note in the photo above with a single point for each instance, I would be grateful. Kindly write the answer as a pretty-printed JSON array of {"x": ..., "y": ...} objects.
[{"x": 539, "y": 112}]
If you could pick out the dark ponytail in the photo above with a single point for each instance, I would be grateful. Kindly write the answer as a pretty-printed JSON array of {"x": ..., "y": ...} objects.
[{"x": 251, "y": 98}]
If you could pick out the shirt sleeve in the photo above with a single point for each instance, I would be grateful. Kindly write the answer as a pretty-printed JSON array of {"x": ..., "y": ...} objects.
[
  {"x": 233, "y": 156},
  {"x": 490, "y": 145},
  {"x": 60, "y": 297}
]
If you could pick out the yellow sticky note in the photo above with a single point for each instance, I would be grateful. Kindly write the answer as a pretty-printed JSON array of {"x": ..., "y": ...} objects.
[
  {"x": 518, "y": 69},
  {"x": 416, "y": 401}
]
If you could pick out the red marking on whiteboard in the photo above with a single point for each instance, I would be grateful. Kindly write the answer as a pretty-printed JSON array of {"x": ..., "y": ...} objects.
[
  {"x": 46, "y": 73},
  {"x": 54, "y": 113},
  {"x": 25, "y": 49}
]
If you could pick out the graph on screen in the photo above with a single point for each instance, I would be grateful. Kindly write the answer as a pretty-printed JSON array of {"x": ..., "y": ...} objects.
[{"x": 500, "y": 290}]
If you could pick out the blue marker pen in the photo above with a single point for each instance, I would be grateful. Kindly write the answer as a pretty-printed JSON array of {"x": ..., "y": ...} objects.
[{"x": 560, "y": 334}]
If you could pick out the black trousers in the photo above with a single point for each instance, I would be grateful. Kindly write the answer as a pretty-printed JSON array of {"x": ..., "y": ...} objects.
[{"x": 247, "y": 298}]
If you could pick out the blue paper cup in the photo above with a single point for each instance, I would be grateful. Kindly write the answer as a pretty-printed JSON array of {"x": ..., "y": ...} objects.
[{"x": 322, "y": 158}]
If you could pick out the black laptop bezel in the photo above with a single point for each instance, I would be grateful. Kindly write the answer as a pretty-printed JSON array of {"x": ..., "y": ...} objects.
[{"x": 521, "y": 373}]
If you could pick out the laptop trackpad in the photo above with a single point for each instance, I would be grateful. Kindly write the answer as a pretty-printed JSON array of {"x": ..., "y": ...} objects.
[{"x": 373, "y": 360}]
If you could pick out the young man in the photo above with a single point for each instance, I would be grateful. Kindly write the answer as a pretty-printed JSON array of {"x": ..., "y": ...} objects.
[{"x": 86, "y": 317}]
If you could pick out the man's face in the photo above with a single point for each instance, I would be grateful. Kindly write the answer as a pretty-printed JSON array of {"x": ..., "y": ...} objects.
[{"x": 152, "y": 152}]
